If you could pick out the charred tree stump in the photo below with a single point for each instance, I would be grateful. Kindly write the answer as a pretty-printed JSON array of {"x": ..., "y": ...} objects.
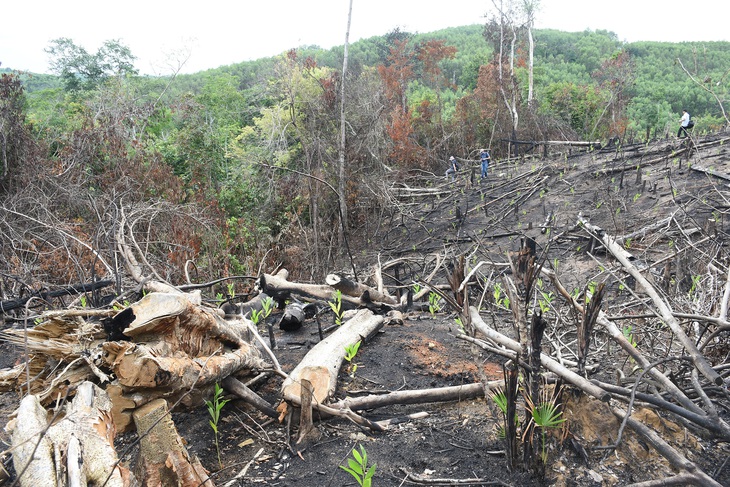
[{"x": 585, "y": 326}]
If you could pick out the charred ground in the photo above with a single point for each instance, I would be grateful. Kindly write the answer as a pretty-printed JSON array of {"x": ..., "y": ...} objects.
[{"x": 431, "y": 225}]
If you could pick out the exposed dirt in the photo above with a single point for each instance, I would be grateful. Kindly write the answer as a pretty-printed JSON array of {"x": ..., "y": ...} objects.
[{"x": 460, "y": 440}]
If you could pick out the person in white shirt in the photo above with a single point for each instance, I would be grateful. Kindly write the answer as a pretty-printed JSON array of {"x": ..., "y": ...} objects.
[{"x": 683, "y": 124}]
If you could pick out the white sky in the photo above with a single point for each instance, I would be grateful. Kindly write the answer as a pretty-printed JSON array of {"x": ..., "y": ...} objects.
[{"x": 226, "y": 32}]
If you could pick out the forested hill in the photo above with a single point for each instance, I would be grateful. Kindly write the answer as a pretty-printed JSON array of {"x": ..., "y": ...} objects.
[
  {"x": 244, "y": 166},
  {"x": 659, "y": 89}
]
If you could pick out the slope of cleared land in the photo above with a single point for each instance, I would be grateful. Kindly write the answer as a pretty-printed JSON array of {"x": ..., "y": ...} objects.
[{"x": 666, "y": 208}]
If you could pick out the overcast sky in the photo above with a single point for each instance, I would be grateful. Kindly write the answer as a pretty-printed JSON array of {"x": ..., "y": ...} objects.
[{"x": 225, "y": 32}]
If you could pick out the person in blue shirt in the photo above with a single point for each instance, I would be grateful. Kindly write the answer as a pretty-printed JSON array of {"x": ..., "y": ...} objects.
[{"x": 484, "y": 154}]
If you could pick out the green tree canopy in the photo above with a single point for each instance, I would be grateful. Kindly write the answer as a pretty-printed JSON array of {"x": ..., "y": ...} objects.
[{"x": 82, "y": 70}]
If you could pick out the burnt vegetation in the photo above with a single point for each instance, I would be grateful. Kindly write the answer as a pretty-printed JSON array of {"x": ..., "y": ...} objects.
[{"x": 561, "y": 321}]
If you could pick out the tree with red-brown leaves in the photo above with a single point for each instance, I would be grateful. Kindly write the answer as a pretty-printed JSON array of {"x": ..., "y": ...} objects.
[
  {"x": 406, "y": 125},
  {"x": 397, "y": 73},
  {"x": 616, "y": 76},
  {"x": 405, "y": 151},
  {"x": 478, "y": 113}
]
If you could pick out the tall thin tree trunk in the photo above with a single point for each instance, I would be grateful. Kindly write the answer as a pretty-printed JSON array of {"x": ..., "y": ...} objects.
[
  {"x": 530, "y": 65},
  {"x": 530, "y": 7},
  {"x": 341, "y": 186}
]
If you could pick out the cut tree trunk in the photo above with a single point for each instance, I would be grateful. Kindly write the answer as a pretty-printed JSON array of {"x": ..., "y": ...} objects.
[
  {"x": 356, "y": 289},
  {"x": 86, "y": 434},
  {"x": 163, "y": 459},
  {"x": 322, "y": 364}
]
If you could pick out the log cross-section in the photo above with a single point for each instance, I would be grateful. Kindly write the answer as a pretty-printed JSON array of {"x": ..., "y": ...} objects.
[{"x": 356, "y": 289}]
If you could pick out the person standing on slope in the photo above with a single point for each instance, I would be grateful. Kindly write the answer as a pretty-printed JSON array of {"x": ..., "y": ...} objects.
[
  {"x": 484, "y": 155},
  {"x": 453, "y": 168},
  {"x": 684, "y": 123}
]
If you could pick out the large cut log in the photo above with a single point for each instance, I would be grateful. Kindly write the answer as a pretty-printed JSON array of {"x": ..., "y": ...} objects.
[
  {"x": 177, "y": 344},
  {"x": 356, "y": 289},
  {"x": 86, "y": 435},
  {"x": 163, "y": 459},
  {"x": 138, "y": 366},
  {"x": 322, "y": 364}
]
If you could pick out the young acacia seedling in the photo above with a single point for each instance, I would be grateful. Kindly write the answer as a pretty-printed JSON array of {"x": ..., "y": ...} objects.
[
  {"x": 350, "y": 352},
  {"x": 214, "y": 410},
  {"x": 357, "y": 466}
]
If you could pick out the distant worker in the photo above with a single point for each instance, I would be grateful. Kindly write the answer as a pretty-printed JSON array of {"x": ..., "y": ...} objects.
[
  {"x": 484, "y": 155},
  {"x": 684, "y": 123},
  {"x": 453, "y": 168}
]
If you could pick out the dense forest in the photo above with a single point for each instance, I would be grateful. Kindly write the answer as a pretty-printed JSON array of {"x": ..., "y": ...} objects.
[{"x": 233, "y": 169}]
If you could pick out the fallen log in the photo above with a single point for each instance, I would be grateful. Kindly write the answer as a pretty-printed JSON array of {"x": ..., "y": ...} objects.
[
  {"x": 440, "y": 394},
  {"x": 10, "y": 305},
  {"x": 356, "y": 289},
  {"x": 710, "y": 172},
  {"x": 281, "y": 289},
  {"x": 321, "y": 365},
  {"x": 138, "y": 366}
]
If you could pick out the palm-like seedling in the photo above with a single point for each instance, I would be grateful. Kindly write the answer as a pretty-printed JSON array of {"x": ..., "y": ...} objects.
[{"x": 546, "y": 414}]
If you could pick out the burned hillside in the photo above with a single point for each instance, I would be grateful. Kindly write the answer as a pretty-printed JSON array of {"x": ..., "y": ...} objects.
[{"x": 590, "y": 282}]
